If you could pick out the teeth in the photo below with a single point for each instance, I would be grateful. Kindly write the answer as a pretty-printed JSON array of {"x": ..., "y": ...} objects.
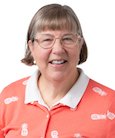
[{"x": 58, "y": 62}]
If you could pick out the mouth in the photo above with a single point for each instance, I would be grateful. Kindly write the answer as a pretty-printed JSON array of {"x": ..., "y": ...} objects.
[{"x": 58, "y": 62}]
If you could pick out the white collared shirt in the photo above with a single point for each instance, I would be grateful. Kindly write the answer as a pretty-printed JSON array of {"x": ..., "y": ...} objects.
[{"x": 71, "y": 99}]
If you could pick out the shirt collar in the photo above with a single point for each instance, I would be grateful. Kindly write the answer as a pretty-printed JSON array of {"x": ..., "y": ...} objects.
[{"x": 71, "y": 99}]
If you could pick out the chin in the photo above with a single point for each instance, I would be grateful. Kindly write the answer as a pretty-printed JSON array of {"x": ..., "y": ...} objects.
[{"x": 57, "y": 76}]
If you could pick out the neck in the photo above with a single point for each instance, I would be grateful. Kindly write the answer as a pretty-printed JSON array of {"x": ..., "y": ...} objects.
[{"x": 53, "y": 91}]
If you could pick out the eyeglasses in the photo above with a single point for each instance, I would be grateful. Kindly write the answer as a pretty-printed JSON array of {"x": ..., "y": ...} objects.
[{"x": 47, "y": 41}]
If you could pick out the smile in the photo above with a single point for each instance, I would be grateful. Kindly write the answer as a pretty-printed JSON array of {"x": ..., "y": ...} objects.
[{"x": 58, "y": 62}]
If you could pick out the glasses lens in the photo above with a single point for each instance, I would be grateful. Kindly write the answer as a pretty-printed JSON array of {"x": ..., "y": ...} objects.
[
  {"x": 69, "y": 40},
  {"x": 46, "y": 40}
]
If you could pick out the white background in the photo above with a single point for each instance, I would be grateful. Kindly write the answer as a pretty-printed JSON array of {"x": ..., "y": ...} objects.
[{"x": 97, "y": 18}]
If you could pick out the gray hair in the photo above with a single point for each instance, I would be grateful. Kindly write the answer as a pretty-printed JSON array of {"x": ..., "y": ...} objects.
[{"x": 54, "y": 17}]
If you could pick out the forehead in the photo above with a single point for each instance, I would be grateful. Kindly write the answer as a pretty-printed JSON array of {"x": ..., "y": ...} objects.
[{"x": 55, "y": 32}]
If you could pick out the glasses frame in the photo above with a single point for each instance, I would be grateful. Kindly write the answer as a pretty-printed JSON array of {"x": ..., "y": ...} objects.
[{"x": 78, "y": 37}]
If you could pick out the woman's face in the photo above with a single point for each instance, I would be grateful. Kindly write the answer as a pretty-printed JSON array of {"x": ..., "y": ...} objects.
[{"x": 57, "y": 62}]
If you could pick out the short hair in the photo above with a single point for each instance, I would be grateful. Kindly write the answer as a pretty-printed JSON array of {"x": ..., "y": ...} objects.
[{"x": 54, "y": 17}]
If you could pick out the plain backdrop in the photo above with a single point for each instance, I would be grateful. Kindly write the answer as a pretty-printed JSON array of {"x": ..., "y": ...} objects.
[{"x": 97, "y": 19}]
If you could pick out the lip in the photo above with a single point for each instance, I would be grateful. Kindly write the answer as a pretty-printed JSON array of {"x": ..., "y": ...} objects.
[
  {"x": 58, "y": 62},
  {"x": 54, "y": 63},
  {"x": 57, "y": 59}
]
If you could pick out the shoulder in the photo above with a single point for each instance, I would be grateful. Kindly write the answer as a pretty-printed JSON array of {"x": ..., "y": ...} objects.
[
  {"x": 15, "y": 88},
  {"x": 12, "y": 99},
  {"x": 100, "y": 88},
  {"x": 100, "y": 97},
  {"x": 100, "y": 93}
]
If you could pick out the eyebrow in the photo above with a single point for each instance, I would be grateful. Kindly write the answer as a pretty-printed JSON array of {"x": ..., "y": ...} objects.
[{"x": 54, "y": 35}]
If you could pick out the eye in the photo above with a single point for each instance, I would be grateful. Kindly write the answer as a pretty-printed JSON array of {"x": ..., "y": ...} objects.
[
  {"x": 67, "y": 39},
  {"x": 46, "y": 39}
]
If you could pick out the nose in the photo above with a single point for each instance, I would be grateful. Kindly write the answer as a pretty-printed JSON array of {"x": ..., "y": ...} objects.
[{"x": 57, "y": 47}]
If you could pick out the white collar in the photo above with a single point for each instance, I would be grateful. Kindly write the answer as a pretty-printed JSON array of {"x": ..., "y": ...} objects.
[{"x": 71, "y": 99}]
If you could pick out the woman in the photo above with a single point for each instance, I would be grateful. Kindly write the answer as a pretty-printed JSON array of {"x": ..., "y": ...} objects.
[{"x": 58, "y": 100}]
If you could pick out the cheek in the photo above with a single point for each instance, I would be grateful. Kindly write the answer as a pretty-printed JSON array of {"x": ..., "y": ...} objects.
[
  {"x": 40, "y": 55},
  {"x": 75, "y": 54}
]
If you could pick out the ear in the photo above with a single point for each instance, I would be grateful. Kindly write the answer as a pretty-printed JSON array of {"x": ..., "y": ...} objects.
[
  {"x": 80, "y": 42},
  {"x": 30, "y": 45}
]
